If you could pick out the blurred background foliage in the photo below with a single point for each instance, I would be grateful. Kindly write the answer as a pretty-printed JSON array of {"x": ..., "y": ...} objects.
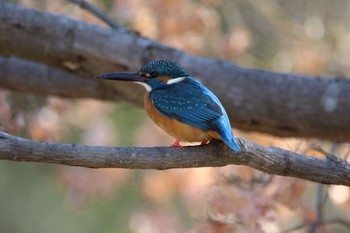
[{"x": 309, "y": 37}]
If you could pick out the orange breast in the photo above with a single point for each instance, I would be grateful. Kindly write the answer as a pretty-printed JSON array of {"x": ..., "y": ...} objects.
[{"x": 176, "y": 128}]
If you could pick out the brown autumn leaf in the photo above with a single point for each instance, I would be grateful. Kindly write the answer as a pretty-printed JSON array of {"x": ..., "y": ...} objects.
[
  {"x": 154, "y": 220},
  {"x": 212, "y": 226},
  {"x": 287, "y": 191},
  {"x": 83, "y": 184},
  {"x": 9, "y": 121}
]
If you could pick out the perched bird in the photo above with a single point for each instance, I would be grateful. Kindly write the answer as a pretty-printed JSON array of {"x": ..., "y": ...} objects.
[{"x": 180, "y": 105}]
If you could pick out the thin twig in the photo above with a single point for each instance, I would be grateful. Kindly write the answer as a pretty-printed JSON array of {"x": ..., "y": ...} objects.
[
  {"x": 319, "y": 208},
  {"x": 321, "y": 200},
  {"x": 97, "y": 12},
  {"x": 322, "y": 197}
]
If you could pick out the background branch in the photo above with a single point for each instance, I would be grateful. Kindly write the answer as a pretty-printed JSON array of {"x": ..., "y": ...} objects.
[
  {"x": 31, "y": 77},
  {"x": 279, "y": 104},
  {"x": 267, "y": 159},
  {"x": 96, "y": 11}
]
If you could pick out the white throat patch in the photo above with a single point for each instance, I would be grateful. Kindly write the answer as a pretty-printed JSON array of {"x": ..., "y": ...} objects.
[
  {"x": 148, "y": 87},
  {"x": 175, "y": 80}
]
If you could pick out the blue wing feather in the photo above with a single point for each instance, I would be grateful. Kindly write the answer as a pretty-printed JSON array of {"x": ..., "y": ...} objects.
[{"x": 189, "y": 102}]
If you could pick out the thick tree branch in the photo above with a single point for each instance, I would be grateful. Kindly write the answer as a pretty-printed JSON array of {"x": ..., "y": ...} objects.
[
  {"x": 274, "y": 103},
  {"x": 331, "y": 170},
  {"x": 31, "y": 77}
]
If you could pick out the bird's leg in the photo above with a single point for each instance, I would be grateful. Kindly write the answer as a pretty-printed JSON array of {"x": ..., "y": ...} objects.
[{"x": 177, "y": 144}]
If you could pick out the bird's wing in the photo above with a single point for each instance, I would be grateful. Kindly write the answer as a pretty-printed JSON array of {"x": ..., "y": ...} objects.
[{"x": 190, "y": 103}]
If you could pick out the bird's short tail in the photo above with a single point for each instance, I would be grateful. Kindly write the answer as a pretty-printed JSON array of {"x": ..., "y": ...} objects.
[
  {"x": 230, "y": 141},
  {"x": 233, "y": 145}
]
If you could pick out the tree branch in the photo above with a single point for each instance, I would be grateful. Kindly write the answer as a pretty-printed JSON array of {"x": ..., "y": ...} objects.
[
  {"x": 97, "y": 12},
  {"x": 279, "y": 104},
  {"x": 25, "y": 76},
  {"x": 216, "y": 154}
]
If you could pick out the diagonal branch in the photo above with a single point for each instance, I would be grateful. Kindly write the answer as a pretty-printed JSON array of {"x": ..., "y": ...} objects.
[
  {"x": 96, "y": 11},
  {"x": 278, "y": 104},
  {"x": 268, "y": 159}
]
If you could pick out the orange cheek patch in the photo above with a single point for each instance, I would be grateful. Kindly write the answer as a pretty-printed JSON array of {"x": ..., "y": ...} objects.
[{"x": 164, "y": 79}]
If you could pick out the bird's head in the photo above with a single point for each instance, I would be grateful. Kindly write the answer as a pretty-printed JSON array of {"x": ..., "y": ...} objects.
[{"x": 153, "y": 75}]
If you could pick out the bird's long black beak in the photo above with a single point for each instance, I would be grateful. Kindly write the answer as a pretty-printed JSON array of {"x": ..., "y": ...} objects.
[{"x": 129, "y": 76}]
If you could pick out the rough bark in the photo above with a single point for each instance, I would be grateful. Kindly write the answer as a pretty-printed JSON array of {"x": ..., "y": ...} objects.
[
  {"x": 216, "y": 154},
  {"x": 279, "y": 104}
]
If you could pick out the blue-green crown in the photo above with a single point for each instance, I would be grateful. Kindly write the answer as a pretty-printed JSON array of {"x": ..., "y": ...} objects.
[{"x": 164, "y": 68}]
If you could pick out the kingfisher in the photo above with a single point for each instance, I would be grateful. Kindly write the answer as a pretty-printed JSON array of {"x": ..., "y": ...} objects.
[{"x": 179, "y": 104}]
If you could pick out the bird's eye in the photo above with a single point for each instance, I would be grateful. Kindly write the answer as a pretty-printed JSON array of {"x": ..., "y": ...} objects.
[{"x": 154, "y": 74}]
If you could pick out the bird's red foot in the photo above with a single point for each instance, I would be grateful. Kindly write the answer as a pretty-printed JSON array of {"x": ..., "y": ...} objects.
[
  {"x": 205, "y": 142},
  {"x": 177, "y": 144}
]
